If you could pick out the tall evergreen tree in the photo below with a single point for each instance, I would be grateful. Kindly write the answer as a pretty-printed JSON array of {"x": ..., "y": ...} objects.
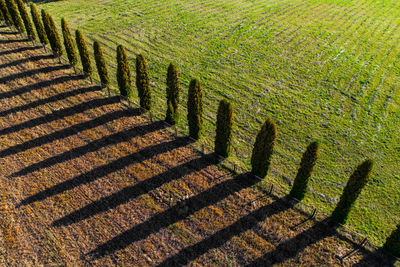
[
  {"x": 27, "y": 20},
  {"x": 69, "y": 43},
  {"x": 123, "y": 72},
  {"x": 6, "y": 13},
  {"x": 195, "y": 109},
  {"x": 143, "y": 82},
  {"x": 223, "y": 137},
  {"x": 38, "y": 24},
  {"x": 352, "y": 190},
  {"x": 84, "y": 53},
  {"x": 101, "y": 64},
  {"x": 303, "y": 175},
  {"x": 173, "y": 92},
  {"x": 263, "y": 149},
  {"x": 16, "y": 17},
  {"x": 52, "y": 34},
  {"x": 392, "y": 244}
]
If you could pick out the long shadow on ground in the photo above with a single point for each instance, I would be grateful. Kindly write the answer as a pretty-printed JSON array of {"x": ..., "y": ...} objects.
[
  {"x": 188, "y": 254},
  {"x": 106, "y": 169},
  {"x": 60, "y": 114},
  {"x": 51, "y": 99},
  {"x": 74, "y": 129},
  {"x": 40, "y": 85},
  {"x": 19, "y": 50},
  {"x": 376, "y": 258},
  {"x": 319, "y": 231},
  {"x": 27, "y": 73},
  {"x": 8, "y": 33},
  {"x": 292, "y": 247},
  {"x": 14, "y": 41},
  {"x": 25, "y": 60},
  {"x": 172, "y": 215},
  {"x": 95, "y": 145},
  {"x": 130, "y": 192}
]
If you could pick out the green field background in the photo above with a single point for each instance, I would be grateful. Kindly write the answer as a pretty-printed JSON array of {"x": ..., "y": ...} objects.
[{"x": 326, "y": 70}]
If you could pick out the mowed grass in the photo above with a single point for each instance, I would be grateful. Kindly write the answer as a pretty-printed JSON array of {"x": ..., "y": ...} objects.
[{"x": 326, "y": 70}]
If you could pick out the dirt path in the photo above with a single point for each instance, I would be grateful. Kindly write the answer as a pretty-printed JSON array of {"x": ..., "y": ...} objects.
[{"x": 87, "y": 180}]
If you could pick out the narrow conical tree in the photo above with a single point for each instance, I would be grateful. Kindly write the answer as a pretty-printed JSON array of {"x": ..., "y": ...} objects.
[
  {"x": 6, "y": 13},
  {"x": 84, "y": 53},
  {"x": 123, "y": 72},
  {"x": 223, "y": 137},
  {"x": 303, "y": 175},
  {"x": 173, "y": 92},
  {"x": 27, "y": 20},
  {"x": 69, "y": 43},
  {"x": 52, "y": 34},
  {"x": 195, "y": 109},
  {"x": 143, "y": 82},
  {"x": 16, "y": 17},
  {"x": 352, "y": 190},
  {"x": 263, "y": 149},
  {"x": 101, "y": 64},
  {"x": 38, "y": 25},
  {"x": 392, "y": 244}
]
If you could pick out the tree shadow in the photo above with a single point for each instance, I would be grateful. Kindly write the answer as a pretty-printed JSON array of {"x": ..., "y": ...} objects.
[
  {"x": 247, "y": 222},
  {"x": 106, "y": 169},
  {"x": 25, "y": 60},
  {"x": 95, "y": 145},
  {"x": 180, "y": 211},
  {"x": 51, "y": 99},
  {"x": 134, "y": 191},
  {"x": 40, "y": 85},
  {"x": 376, "y": 258},
  {"x": 14, "y": 41},
  {"x": 290, "y": 248},
  {"x": 19, "y": 75},
  {"x": 64, "y": 133},
  {"x": 20, "y": 49},
  {"x": 319, "y": 231},
  {"x": 60, "y": 114},
  {"x": 8, "y": 33}
]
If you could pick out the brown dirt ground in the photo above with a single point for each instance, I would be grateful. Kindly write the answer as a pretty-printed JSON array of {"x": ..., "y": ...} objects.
[{"x": 86, "y": 180}]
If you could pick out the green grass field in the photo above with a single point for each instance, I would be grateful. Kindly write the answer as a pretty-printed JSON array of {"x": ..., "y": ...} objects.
[{"x": 323, "y": 69}]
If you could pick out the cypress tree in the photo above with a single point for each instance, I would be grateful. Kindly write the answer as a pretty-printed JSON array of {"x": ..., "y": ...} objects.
[
  {"x": 195, "y": 109},
  {"x": 143, "y": 82},
  {"x": 173, "y": 92},
  {"x": 223, "y": 136},
  {"x": 101, "y": 64},
  {"x": 69, "y": 43},
  {"x": 38, "y": 24},
  {"x": 27, "y": 20},
  {"x": 6, "y": 13},
  {"x": 392, "y": 244},
  {"x": 263, "y": 149},
  {"x": 16, "y": 17},
  {"x": 352, "y": 190},
  {"x": 123, "y": 72},
  {"x": 84, "y": 53},
  {"x": 52, "y": 34},
  {"x": 303, "y": 175}
]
